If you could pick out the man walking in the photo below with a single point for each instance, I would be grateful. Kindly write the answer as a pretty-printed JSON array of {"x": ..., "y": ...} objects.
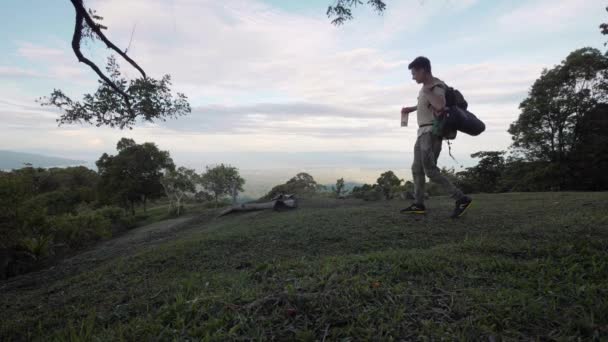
[{"x": 431, "y": 104}]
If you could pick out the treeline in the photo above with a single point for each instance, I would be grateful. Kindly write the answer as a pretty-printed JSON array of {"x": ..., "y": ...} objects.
[{"x": 46, "y": 213}]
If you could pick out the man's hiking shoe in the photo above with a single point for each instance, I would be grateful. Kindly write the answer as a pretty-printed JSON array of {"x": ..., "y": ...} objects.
[
  {"x": 461, "y": 206},
  {"x": 414, "y": 209}
]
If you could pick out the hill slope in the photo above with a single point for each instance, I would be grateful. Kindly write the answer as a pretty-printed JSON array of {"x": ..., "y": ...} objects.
[{"x": 519, "y": 266}]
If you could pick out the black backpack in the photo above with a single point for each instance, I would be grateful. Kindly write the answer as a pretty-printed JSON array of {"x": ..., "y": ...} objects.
[{"x": 457, "y": 117}]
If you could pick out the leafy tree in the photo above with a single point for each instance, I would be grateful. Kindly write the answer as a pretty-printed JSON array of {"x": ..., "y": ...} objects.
[
  {"x": 341, "y": 10},
  {"x": 303, "y": 183},
  {"x": 117, "y": 102},
  {"x": 367, "y": 192},
  {"x": 222, "y": 180},
  {"x": 339, "y": 187},
  {"x": 177, "y": 185},
  {"x": 485, "y": 176},
  {"x": 134, "y": 174},
  {"x": 589, "y": 161},
  {"x": 550, "y": 123},
  {"x": 387, "y": 182},
  {"x": 547, "y": 126}
]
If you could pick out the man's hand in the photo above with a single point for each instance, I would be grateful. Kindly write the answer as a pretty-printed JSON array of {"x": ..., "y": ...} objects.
[{"x": 407, "y": 110}]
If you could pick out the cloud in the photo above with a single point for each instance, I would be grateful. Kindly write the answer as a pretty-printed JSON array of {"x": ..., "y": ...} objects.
[
  {"x": 548, "y": 15},
  {"x": 263, "y": 80},
  {"x": 12, "y": 71}
]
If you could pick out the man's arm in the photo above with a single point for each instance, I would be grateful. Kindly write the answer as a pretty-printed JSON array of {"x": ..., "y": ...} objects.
[
  {"x": 436, "y": 97},
  {"x": 407, "y": 110}
]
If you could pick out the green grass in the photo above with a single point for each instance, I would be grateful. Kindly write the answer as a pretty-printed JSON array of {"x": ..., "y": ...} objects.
[
  {"x": 160, "y": 211},
  {"x": 516, "y": 267}
]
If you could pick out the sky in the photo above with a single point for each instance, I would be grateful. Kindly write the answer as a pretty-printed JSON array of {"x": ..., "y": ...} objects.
[{"x": 276, "y": 89}]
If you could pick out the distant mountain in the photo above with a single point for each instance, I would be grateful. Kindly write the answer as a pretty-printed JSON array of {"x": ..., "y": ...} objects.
[{"x": 15, "y": 160}]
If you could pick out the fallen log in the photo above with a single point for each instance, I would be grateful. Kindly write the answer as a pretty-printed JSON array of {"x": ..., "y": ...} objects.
[{"x": 281, "y": 202}]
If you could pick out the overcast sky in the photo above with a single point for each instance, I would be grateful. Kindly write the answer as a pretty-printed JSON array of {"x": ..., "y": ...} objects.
[{"x": 273, "y": 85}]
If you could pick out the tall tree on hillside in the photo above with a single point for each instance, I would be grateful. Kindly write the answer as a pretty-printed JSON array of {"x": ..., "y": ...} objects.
[
  {"x": 549, "y": 125},
  {"x": 338, "y": 189},
  {"x": 133, "y": 175},
  {"x": 118, "y": 102},
  {"x": 177, "y": 185},
  {"x": 222, "y": 180},
  {"x": 388, "y": 181}
]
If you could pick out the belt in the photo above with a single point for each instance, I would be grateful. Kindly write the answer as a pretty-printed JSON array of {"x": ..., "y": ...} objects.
[{"x": 425, "y": 125}]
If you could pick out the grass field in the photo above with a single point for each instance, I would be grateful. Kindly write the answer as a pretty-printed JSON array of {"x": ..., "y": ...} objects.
[{"x": 516, "y": 267}]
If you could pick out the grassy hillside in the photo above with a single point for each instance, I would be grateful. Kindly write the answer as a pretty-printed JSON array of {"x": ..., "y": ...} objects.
[{"x": 518, "y": 266}]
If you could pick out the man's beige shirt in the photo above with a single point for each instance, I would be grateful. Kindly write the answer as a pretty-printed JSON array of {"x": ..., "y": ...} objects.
[{"x": 425, "y": 110}]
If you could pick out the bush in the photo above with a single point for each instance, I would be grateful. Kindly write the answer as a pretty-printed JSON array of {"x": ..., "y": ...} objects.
[
  {"x": 118, "y": 217},
  {"x": 82, "y": 229},
  {"x": 173, "y": 211},
  {"x": 40, "y": 246},
  {"x": 368, "y": 192}
]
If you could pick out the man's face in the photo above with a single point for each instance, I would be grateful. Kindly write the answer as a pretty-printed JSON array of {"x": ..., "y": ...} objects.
[{"x": 418, "y": 75}]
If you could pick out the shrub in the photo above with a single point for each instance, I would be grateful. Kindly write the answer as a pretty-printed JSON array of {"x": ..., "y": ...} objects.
[
  {"x": 39, "y": 246},
  {"x": 82, "y": 229}
]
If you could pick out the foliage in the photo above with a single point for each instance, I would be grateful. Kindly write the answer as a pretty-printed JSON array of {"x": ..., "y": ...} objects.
[
  {"x": 301, "y": 184},
  {"x": 150, "y": 100},
  {"x": 222, "y": 180},
  {"x": 81, "y": 229},
  {"x": 387, "y": 182},
  {"x": 341, "y": 10},
  {"x": 178, "y": 184},
  {"x": 134, "y": 174},
  {"x": 562, "y": 124},
  {"x": 367, "y": 192},
  {"x": 117, "y": 102},
  {"x": 39, "y": 246},
  {"x": 338, "y": 189},
  {"x": 549, "y": 125},
  {"x": 485, "y": 176}
]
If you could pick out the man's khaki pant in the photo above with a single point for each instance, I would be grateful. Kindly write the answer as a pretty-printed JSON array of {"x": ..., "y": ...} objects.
[{"x": 426, "y": 152}]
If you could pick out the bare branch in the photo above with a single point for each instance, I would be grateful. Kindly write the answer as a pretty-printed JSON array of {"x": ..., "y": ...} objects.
[
  {"x": 76, "y": 39},
  {"x": 79, "y": 7}
]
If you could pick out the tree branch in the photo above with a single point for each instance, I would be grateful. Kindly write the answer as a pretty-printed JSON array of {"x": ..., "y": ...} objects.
[
  {"x": 79, "y": 7},
  {"x": 81, "y": 58}
]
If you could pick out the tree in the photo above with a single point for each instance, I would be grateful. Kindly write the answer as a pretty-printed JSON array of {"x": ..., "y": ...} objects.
[
  {"x": 339, "y": 188},
  {"x": 589, "y": 161},
  {"x": 222, "y": 180},
  {"x": 178, "y": 184},
  {"x": 302, "y": 184},
  {"x": 341, "y": 10},
  {"x": 117, "y": 102},
  {"x": 549, "y": 125},
  {"x": 235, "y": 183},
  {"x": 134, "y": 174},
  {"x": 387, "y": 182},
  {"x": 486, "y": 175},
  {"x": 367, "y": 192}
]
